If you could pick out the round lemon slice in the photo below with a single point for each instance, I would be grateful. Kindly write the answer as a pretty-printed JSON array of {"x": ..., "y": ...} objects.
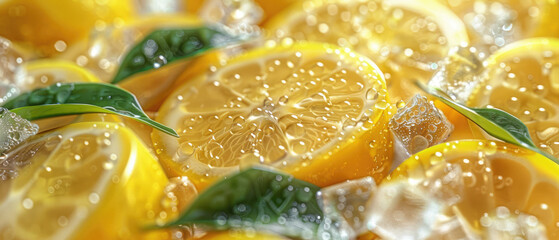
[
  {"x": 494, "y": 181},
  {"x": 89, "y": 180},
  {"x": 406, "y": 38},
  {"x": 523, "y": 80},
  {"x": 315, "y": 110}
]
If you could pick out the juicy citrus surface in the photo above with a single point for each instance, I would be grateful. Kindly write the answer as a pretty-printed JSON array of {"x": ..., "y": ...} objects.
[
  {"x": 316, "y": 110},
  {"x": 63, "y": 184},
  {"x": 523, "y": 80},
  {"x": 494, "y": 174},
  {"x": 406, "y": 38}
]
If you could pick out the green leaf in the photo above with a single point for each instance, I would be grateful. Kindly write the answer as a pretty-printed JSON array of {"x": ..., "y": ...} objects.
[
  {"x": 258, "y": 198},
  {"x": 76, "y": 98},
  {"x": 164, "y": 46},
  {"x": 495, "y": 122}
]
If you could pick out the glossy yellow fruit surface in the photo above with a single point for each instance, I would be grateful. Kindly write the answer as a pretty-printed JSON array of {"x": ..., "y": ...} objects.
[
  {"x": 315, "y": 110},
  {"x": 88, "y": 180},
  {"x": 408, "y": 39}
]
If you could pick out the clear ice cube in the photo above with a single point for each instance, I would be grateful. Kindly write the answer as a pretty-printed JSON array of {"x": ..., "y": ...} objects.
[
  {"x": 510, "y": 226},
  {"x": 147, "y": 7},
  {"x": 421, "y": 206},
  {"x": 460, "y": 73},
  {"x": 10, "y": 60},
  {"x": 493, "y": 22},
  {"x": 419, "y": 125},
  {"x": 14, "y": 130},
  {"x": 453, "y": 228},
  {"x": 232, "y": 13},
  {"x": 444, "y": 181},
  {"x": 346, "y": 203},
  {"x": 403, "y": 211}
]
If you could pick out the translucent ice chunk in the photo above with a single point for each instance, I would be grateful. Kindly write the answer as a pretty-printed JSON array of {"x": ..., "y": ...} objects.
[
  {"x": 493, "y": 22},
  {"x": 403, "y": 211},
  {"x": 147, "y": 7},
  {"x": 232, "y": 13},
  {"x": 10, "y": 60},
  {"x": 445, "y": 182},
  {"x": 453, "y": 228},
  {"x": 459, "y": 74},
  {"x": 506, "y": 225},
  {"x": 347, "y": 203},
  {"x": 419, "y": 125},
  {"x": 14, "y": 130}
]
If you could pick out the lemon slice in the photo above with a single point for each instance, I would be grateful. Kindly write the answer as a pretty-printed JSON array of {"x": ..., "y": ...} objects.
[
  {"x": 43, "y": 73},
  {"x": 523, "y": 80},
  {"x": 406, "y": 38},
  {"x": 51, "y": 26},
  {"x": 495, "y": 177},
  {"x": 315, "y": 110},
  {"x": 86, "y": 180}
]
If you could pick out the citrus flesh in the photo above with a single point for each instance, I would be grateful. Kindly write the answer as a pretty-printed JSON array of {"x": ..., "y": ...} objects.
[
  {"x": 494, "y": 175},
  {"x": 312, "y": 109},
  {"x": 406, "y": 38},
  {"x": 63, "y": 184},
  {"x": 523, "y": 80}
]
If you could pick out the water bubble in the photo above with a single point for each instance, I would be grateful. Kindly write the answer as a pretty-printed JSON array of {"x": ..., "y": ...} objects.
[
  {"x": 93, "y": 198},
  {"x": 27, "y": 203}
]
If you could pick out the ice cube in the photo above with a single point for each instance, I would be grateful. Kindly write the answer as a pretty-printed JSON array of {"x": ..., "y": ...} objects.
[
  {"x": 14, "y": 130},
  {"x": 419, "y": 125},
  {"x": 147, "y": 7},
  {"x": 493, "y": 22},
  {"x": 10, "y": 60},
  {"x": 347, "y": 203},
  {"x": 444, "y": 181},
  {"x": 504, "y": 225},
  {"x": 459, "y": 74},
  {"x": 453, "y": 228},
  {"x": 232, "y": 13},
  {"x": 403, "y": 211}
]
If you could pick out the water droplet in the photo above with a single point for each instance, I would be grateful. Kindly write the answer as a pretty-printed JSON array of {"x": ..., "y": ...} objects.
[
  {"x": 299, "y": 147},
  {"x": 93, "y": 198},
  {"x": 27, "y": 203}
]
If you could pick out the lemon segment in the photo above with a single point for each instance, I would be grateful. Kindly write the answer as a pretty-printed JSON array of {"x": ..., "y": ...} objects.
[
  {"x": 307, "y": 108},
  {"x": 523, "y": 80},
  {"x": 64, "y": 184},
  {"x": 408, "y": 39}
]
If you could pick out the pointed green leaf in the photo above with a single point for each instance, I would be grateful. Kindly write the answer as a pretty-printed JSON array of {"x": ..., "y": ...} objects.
[
  {"x": 495, "y": 122},
  {"x": 164, "y": 46},
  {"x": 77, "y": 98},
  {"x": 258, "y": 198}
]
